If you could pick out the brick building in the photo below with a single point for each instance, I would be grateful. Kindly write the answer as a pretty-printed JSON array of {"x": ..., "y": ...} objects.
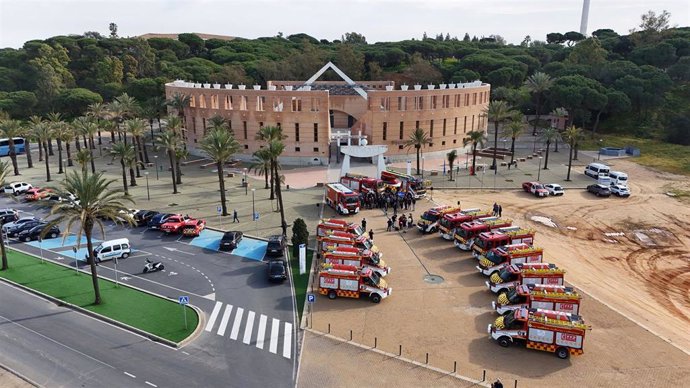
[{"x": 313, "y": 112}]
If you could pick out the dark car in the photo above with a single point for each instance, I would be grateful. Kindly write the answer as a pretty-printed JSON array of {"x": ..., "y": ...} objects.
[
  {"x": 159, "y": 219},
  {"x": 8, "y": 215},
  {"x": 276, "y": 245},
  {"x": 277, "y": 270},
  {"x": 18, "y": 226},
  {"x": 230, "y": 240},
  {"x": 33, "y": 233},
  {"x": 142, "y": 217},
  {"x": 599, "y": 190}
]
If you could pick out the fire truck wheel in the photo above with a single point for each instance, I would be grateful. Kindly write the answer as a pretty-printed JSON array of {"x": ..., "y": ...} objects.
[
  {"x": 562, "y": 353},
  {"x": 332, "y": 294},
  {"x": 375, "y": 298},
  {"x": 504, "y": 341}
]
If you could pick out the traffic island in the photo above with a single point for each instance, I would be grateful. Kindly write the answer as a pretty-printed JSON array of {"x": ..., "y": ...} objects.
[{"x": 152, "y": 316}]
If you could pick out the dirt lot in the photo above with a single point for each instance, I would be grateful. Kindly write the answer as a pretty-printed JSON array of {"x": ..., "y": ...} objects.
[{"x": 629, "y": 257}]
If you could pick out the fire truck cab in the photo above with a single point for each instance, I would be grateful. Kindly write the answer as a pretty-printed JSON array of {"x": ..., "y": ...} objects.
[
  {"x": 365, "y": 184},
  {"x": 429, "y": 221},
  {"x": 409, "y": 183},
  {"x": 542, "y": 296},
  {"x": 447, "y": 224},
  {"x": 464, "y": 235},
  {"x": 527, "y": 273},
  {"x": 551, "y": 331},
  {"x": 350, "y": 282},
  {"x": 498, "y": 258},
  {"x": 334, "y": 224},
  {"x": 342, "y": 199},
  {"x": 360, "y": 258},
  {"x": 500, "y": 237}
]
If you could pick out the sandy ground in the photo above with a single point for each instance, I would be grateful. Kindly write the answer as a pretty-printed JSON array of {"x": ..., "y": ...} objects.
[
  {"x": 635, "y": 281},
  {"x": 9, "y": 380}
]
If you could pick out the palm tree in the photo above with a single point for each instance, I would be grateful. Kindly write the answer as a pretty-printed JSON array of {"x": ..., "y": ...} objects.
[
  {"x": 64, "y": 136},
  {"x": 451, "y": 156},
  {"x": 87, "y": 127},
  {"x": 548, "y": 135},
  {"x": 83, "y": 157},
  {"x": 560, "y": 113},
  {"x": 60, "y": 128},
  {"x": 170, "y": 141},
  {"x": 4, "y": 169},
  {"x": 98, "y": 111},
  {"x": 268, "y": 134},
  {"x": 180, "y": 154},
  {"x": 179, "y": 102},
  {"x": 217, "y": 122},
  {"x": 96, "y": 203},
  {"x": 137, "y": 127},
  {"x": 124, "y": 152},
  {"x": 125, "y": 131},
  {"x": 477, "y": 139},
  {"x": 11, "y": 129},
  {"x": 498, "y": 111},
  {"x": 262, "y": 165},
  {"x": 54, "y": 119},
  {"x": 418, "y": 139},
  {"x": 29, "y": 136},
  {"x": 219, "y": 145},
  {"x": 276, "y": 148},
  {"x": 116, "y": 113},
  {"x": 514, "y": 130},
  {"x": 537, "y": 84},
  {"x": 160, "y": 105},
  {"x": 43, "y": 132},
  {"x": 571, "y": 136}
]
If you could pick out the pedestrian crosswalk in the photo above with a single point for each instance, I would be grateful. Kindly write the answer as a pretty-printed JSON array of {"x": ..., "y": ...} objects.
[{"x": 273, "y": 334}]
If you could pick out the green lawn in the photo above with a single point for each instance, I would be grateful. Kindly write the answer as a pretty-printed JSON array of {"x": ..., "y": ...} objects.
[
  {"x": 143, "y": 311},
  {"x": 301, "y": 282}
]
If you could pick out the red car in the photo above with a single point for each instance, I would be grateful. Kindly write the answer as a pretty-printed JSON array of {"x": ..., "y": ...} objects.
[
  {"x": 36, "y": 193},
  {"x": 177, "y": 223},
  {"x": 194, "y": 230}
]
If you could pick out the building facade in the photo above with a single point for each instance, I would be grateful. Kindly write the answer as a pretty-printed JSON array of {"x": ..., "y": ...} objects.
[{"x": 316, "y": 116}]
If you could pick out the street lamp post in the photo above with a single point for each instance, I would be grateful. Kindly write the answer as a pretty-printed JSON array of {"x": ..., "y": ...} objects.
[
  {"x": 256, "y": 231},
  {"x": 155, "y": 159},
  {"x": 148, "y": 191},
  {"x": 599, "y": 153},
  {"x": 422, "y": 168},
  {"x": 539, "y": 170},
  {"x": 244, "y": 180}
]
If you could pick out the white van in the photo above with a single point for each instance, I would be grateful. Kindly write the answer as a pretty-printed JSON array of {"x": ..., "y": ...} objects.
[
  {"x": 594, "y": 170},
  {"x": 107, "y": 250},
  {"x": 605, "y": 180},
  {"x": 619, "y": 178}
]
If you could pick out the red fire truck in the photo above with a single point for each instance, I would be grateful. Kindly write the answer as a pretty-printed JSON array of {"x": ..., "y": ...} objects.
[
  {"x": 447, "y": 225},
  {"x": 342, "y": 199},
  {"x": 500, "y": 257},
  {"x": 365, "y": 184},
  {"x": 500, "y": 237},
  {"x": 429, "y": 220},
  {"x": 551, "y": 331},
  {"x": 410, "y": 184},
  {"x": 337, "y": 225},
  {"x": 335, "y": 239},
  {"x": 527, "y": 273},
  {"x": 351, "y": 282},
  {"x": 468, "y": 231},
  {"x": 360, "y": 258},
  {"x": 541, "y": 296}
]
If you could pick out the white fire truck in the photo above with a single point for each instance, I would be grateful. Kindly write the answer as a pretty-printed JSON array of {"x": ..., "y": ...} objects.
[
  {"x": 542, "y": 296},
  {"x": 351, "y": 282},
  {"x": 498, "y": 258},
  {"x": 526, "y": 273}
]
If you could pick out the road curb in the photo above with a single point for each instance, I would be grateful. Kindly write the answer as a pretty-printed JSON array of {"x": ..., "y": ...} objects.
[
  {"x": 143, "y": 333},
  {"x": 19, "y": 375}
]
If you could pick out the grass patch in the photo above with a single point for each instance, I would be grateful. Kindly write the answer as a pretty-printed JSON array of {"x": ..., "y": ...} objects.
[
  {"x": 301, "y": 282},
  {"x": 143, "y": 311},
  {"x": 663, "y": 156}
]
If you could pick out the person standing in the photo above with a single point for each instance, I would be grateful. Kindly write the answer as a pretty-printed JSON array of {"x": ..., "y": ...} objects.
[
  {"x": 495, "y": 210},
  {"x": 390, "y": 225},
  {"x": 234, "y": 216},
  {"x": 364, "y": 224},
  {"x": 500, "y": 210},
  {"x": 371, "y": 234},
  {"x": 414, "y": 202}
]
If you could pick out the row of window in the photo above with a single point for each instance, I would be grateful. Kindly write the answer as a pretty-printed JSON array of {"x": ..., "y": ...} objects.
[
  {"x": 245, "y": 131},
  {"x": 480, "y": 119},
  {"x": 297, "y": 149},
  {"x": 242, "y": 103},
  {"x": 434, "y": 102}
]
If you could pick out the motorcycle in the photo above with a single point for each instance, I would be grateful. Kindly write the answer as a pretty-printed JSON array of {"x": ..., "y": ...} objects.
[{"x": 153, "y": 266}]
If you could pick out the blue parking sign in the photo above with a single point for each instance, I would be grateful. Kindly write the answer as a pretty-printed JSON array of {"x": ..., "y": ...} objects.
[
  {"x": 311, "y": 298},
  {"x": 219, "y": 209}
]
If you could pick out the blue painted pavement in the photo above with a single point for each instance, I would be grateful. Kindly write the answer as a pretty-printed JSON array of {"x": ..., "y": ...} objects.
[
  {"x": 248, "y": 248},
  {"x": 54, "y": 243}
]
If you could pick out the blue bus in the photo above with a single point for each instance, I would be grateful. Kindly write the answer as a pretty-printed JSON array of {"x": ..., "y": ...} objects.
[{"x": 5, "y": 146}]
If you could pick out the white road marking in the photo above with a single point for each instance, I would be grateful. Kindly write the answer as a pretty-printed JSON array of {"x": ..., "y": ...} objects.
[
  {"x": 275, "y": 329},
  {"x": 224, "y": 320},
  {"x": 248, "y": 329},
  {"x": 236, "y": 325},
  {"x": 214, "y": 316},
  {"x": 287, "y": 340},
  {"x": 211, "y": 296},
  {"x": 130, "y": 375},
  {"x": 183, "y": 352},
  {"x": 261, "y": 332},
  {"x": 151, "y": 384}
]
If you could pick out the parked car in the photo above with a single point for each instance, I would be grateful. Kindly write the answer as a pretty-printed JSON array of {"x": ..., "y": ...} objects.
[
  {"x": 18, "y": 228},
  {"x": 127, "y": 216},
  {"x": 554, "y": 189},
  {"x": 276, "y": 245},
  {"x": 8, "y": 215},
  {"x": 54, "y": 197},
  {"x": 33, "y": 233},
  {"x": 535, "y": 188},
  {"x": 620, "y": 190},
  {"x": 277, "y": 270},
  {"x": 599, "y": 190},
  {"x": 176, "y": 223},
  {"x": 12, "y": 224},
  {"x": 16, "y": 188},
  {"x": 142, "y": 217},
  {"x": 36, "y": 193},
  {"x": 159, "y": 219},
  {"x": 193, "y": 228},
  {"x": 230, "y": 240}
]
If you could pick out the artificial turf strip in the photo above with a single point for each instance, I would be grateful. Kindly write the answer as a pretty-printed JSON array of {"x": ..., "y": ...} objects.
[
  {"x": 301, "y": 282},
  {"x": 143, "y": 311}
]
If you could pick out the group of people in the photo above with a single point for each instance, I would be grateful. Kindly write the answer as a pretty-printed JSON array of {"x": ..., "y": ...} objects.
[
  {"x": 387, "y": 200},
  {"x": 498, "y": 210},
  {"x": 404, "y": 222}
]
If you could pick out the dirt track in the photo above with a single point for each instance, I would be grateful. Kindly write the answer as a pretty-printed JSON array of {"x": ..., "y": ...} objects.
[{"x": 635, "y": 281}]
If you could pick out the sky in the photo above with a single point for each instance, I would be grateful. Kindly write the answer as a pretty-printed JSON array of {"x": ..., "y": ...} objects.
[{"x": 377, "y": 20}]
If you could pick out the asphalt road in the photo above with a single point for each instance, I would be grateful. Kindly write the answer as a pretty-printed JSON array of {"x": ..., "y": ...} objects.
[{"x": 249, "y": 338}]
